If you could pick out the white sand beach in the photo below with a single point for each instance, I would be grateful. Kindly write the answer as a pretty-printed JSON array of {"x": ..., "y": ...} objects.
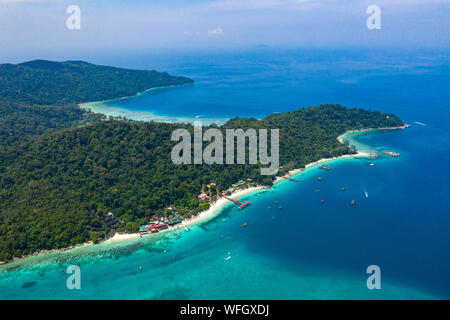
[
  {"x": 217, "y": 206},
  {"x": 124, "y": 237}
]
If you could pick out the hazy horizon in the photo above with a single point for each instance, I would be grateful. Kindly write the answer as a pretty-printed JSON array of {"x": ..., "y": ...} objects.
[{"x": 37, "y": 28}]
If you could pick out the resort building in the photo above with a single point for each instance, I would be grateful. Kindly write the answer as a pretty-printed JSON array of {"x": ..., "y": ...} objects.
[{"x": 203, "y": 196}]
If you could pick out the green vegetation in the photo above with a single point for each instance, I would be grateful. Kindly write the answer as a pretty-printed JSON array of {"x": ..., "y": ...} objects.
[
  {"x": 56, "y": 191},
  {"x": 41, "y": 96},
  {"x": 21, "y": 122},
  {"x": 58, "y": 83},
  {"x": 59, "y": 177}
]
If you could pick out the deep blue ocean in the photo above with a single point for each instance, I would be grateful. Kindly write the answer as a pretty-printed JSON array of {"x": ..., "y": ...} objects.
[{"x": 309, "y": 249}]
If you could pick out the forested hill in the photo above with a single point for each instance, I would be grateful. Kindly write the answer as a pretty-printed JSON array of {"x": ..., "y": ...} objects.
[
  {"x": 45, "y": 82},
  {"x": 56, "y": 191},
  {"x": 40, "y": 96}
]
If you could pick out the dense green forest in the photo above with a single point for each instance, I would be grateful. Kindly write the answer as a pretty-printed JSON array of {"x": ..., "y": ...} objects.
[
  {"x": 41, "y": 96},
  {"x": 56, "y": 191},
  {"x": 21, "y": 122},
  {"x": 62, "y": 170},
  {"x": 57, "y": 83}
]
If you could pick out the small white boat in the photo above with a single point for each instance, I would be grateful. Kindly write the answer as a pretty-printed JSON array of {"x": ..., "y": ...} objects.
[
  {"x": 229, "y": 256},
  {"x": 186, "y": 228}
]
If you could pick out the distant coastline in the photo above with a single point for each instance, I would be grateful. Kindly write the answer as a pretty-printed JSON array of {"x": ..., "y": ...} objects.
[
  {"x": 83, "y": 105},
  {"x": 113, "y": 111}
]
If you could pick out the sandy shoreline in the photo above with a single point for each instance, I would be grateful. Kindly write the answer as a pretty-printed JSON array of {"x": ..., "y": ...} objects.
[
  {"x": 312, "y": 164},
  {"x": 85, "y": 107},
  {"x": 217, "y": 206},
  {"x": 213, "y": 210},
  {"x": 100, "y": 107}
]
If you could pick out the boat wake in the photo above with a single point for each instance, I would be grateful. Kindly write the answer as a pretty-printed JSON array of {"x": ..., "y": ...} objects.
[{"x": 365, "y": 192}]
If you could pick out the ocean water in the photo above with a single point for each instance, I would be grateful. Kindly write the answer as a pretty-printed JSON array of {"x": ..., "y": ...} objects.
[
  {"x": 308, "y": 249},
  {"x": 261, "y": 82}
]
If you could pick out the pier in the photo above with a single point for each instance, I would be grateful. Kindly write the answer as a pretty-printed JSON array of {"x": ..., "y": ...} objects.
[
  {"x": 241, "y": 205},
  {"x": 290, "y": 179}
]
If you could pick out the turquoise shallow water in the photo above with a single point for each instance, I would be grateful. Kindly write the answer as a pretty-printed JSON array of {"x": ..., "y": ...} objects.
[{"x": 307, "y": 250}]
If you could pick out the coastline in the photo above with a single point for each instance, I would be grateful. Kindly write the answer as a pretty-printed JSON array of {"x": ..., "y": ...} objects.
[
  {"x": 312, "y": 164},
  {"x": 203, "y": 216},
  {"x": 371, "y": 129},
  {"x": 100, "y": 107},
  {"x": 341, "y": 140},
  {"x": 84, "y": 104},
  {"x": 218, "y": 205}
]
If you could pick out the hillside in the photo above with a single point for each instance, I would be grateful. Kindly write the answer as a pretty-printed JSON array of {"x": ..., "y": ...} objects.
[
  {"x": 56, "y": 191},
  {"x": 44, "y": 82},
  {"x": 41, "y": 96}
]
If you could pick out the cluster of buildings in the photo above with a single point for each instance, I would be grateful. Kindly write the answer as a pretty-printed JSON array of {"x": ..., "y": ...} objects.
[
  {"x": 158, "y": 223},
  {"x": 204, "y": 196}
]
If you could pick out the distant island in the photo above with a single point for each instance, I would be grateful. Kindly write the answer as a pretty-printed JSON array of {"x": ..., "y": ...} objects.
[{"x": 67, "y": 177}]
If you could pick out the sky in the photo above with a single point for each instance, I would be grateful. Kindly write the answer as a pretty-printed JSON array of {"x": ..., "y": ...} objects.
[{"x": 38, "y": 27}]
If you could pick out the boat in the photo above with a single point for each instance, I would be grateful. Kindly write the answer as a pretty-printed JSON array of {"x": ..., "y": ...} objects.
[
  {"x": 343, "y": 189},
  {"x": 325, "y": 167},
  {"x": 280, "y": 207},
  {"x": 320, "y": 178},
  {"x": 391, "y": 153},
  {"x": 244, "y": 224},
  {"x": 243, "y": 205},
  {"x": 372, "y": 164},
  {"x": 373, "y": 155},
  {"x": 186, "y": 228},
  {"x": 322, "y": 201},
  {"x": 228, "y": 257},
  {"x": 353, "y": 202}
]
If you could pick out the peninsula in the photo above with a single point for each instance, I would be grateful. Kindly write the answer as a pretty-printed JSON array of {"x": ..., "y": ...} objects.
[{"x": 72, "y": 180}]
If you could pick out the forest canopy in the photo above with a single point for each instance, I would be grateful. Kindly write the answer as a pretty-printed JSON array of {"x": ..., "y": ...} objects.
[
  {"x": 56, "y": 191},
  {"x": 62, "y": 170},
  {"x": 41, "y": 96}
]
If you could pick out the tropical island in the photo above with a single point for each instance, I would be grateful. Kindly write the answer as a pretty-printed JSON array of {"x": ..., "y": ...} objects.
[{"x": 68, "y": 177}]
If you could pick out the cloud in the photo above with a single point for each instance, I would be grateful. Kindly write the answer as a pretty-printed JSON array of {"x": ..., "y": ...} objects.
[{"x": 216, "y": 31}]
